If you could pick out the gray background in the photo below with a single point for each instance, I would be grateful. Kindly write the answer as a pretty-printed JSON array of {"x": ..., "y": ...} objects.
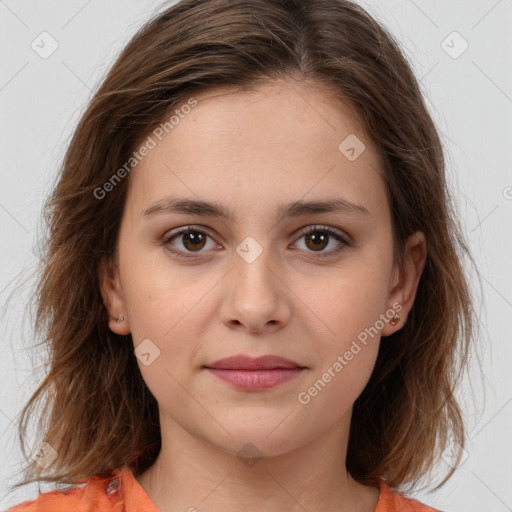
[{"x": 469, "y": 96}]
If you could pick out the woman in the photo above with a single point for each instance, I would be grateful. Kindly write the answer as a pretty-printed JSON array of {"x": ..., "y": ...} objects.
[{"x": 252, "y": 292}]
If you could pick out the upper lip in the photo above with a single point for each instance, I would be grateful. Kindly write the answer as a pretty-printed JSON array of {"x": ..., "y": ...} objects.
[{"x": 243, "y": 362}]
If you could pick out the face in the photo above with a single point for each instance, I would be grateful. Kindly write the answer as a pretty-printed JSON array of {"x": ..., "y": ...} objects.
[{"x": 271, "y": 277}]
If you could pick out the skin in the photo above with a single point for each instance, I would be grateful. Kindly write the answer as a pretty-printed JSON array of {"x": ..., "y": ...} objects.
[{"x": 250, "y": 152}]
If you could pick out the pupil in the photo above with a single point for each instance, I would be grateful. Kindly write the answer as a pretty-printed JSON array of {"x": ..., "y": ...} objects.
[
  {"x": 318, "y": 240},
  {"x": 193, "y": 239}
]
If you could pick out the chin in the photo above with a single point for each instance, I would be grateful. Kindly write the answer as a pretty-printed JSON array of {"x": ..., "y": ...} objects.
[{"x": 264, "y": 440}]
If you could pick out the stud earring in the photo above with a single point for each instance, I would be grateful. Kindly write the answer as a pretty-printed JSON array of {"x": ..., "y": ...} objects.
[
  {"x": 120, "y": 319},
  {"x": 395, "y": 319}
]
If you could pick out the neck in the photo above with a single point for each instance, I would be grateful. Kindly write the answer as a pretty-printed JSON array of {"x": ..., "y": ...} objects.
[{"x": 191, "y": 474}]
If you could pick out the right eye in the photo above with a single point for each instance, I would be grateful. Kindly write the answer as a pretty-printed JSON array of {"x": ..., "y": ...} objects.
[{"x": 192, "y": 240}]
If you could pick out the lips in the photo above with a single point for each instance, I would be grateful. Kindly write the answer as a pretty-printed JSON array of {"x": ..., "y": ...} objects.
[
  {"x": 255, "y": 374},
  {"x": 242, "y": 362}
]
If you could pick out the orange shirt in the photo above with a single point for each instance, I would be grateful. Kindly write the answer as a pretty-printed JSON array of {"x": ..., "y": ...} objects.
[{"x": 122, "y": 493}]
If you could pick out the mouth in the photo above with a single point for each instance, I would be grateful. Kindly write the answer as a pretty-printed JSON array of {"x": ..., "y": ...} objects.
[
  {"x": 243, "y": 362},
  {"x": 255, "y": 374}
]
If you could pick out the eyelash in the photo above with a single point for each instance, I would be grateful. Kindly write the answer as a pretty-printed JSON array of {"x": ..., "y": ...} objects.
[{"x": 166, "y": 239}]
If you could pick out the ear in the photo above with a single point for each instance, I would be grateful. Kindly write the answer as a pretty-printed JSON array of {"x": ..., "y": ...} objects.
[
  {"x": 113, "y": 298},
  {"x": 404, "y": 284}
]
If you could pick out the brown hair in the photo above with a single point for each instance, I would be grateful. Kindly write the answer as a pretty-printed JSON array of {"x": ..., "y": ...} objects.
[{"x": 98, "y": 414}]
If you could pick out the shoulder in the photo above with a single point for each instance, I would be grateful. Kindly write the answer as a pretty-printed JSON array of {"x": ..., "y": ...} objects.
[
  {"x": 390, "y": 501},
  {"x": 94, "y": 494}
]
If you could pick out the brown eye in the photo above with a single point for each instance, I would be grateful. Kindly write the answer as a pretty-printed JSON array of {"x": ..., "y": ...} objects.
[
  {"x": 317, "y": 241},
  {"x": 188, "y": 241},
  {"x": 193, "y": 240},
  {"x": 318, "y": 238}
]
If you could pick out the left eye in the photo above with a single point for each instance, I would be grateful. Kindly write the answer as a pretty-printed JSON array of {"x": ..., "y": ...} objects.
[{"x": 317, "y": 238}]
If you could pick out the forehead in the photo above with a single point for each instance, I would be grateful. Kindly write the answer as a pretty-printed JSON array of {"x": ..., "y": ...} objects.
[
  {"x": 312, "y": 102},
  {"x": 281, "y": 137}
]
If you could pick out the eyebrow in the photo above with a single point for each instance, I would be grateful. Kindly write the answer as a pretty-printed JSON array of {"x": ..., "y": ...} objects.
[{"x": 298, "y": 208}]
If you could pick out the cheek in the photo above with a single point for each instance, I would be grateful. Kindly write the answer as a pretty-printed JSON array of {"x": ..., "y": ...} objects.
[
  {"x": 331, "y": 392},
  {"x": 348, "y": 335},
  {"x": 170, "y": 308},
  {"x": 352, "y": 300},
  {"x": 346, "y": 353},
  {"x": 161, "y": 298}
]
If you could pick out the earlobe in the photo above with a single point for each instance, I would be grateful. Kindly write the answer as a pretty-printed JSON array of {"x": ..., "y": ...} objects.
[
  {"x": 111, "y": 292},
  {"x": 404, "y": 284}
]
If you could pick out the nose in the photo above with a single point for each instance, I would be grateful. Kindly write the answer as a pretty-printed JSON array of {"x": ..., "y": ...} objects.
[{"x": 255, "y": 297}]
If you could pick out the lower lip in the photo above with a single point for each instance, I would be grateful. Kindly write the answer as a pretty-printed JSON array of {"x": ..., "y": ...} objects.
[{"x": 256, "y": 380}]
